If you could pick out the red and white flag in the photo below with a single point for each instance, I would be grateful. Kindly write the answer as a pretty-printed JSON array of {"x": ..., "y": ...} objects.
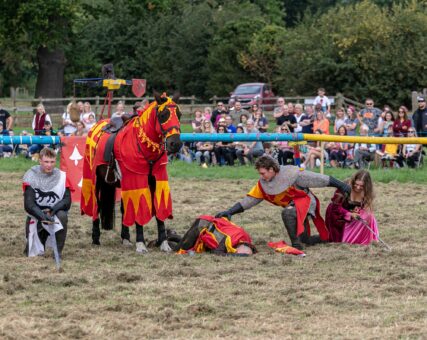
[{"x": 72, "y": 155}]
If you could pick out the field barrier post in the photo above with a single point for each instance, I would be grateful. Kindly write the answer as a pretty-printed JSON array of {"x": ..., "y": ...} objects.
[{"x": 322, "y": 157}]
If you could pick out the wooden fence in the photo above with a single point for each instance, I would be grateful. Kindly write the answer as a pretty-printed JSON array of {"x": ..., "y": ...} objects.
[{"x": 22, "y": 109}]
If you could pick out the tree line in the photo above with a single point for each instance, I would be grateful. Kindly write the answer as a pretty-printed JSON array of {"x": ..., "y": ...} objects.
[{"x": 360, "y": 48}]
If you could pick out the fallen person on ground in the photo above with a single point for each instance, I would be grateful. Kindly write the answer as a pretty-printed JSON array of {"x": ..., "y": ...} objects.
[
  {"x": 216, "y": 235},
  {"x": 288, "y": 187}
]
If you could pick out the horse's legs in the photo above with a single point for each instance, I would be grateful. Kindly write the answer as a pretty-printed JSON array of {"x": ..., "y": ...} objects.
[
  {"x": 162, "y": 239},
  {"x": 96, "y": 232},
  {"x": 140, "y": 241},
  {"x": 125, "y": 235}
]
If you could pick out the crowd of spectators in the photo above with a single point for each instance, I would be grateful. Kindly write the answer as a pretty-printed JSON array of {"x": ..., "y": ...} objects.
[{"x": 316, "y": 118}]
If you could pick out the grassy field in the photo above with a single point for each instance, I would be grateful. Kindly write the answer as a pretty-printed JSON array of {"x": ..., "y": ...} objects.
[{"x": 337, "y": 291}]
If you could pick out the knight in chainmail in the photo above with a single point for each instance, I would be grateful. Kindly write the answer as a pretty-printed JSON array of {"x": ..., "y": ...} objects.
[
  {"x": 47, "y": 199},
  {"x": 288, "y": 187}
]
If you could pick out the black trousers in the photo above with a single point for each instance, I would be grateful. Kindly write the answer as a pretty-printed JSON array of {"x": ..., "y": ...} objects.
[{"x": 60, "y": 235}]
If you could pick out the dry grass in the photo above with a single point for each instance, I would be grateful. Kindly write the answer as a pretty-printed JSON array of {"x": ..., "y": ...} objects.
[{"x": 337, "y": 291}]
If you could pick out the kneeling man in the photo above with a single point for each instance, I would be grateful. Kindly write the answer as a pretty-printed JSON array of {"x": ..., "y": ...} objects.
[
  {"x": 288, "y": 187},
  {"x": 47, "y": 199}
]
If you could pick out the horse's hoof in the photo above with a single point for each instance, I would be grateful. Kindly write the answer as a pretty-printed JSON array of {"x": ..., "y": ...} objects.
[
  {"x": 96, "y": 242},
  {"x": 165, "y": 247},
  {"x": 126, "y": 243},
  {"x": 141, "y": 248}
]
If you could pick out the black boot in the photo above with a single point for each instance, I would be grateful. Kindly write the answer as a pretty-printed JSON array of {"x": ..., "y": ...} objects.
[
  {"x": 289, "y": 217},
  {"x": 309, "y": 240},
  {"x": 96, "y": 232}
]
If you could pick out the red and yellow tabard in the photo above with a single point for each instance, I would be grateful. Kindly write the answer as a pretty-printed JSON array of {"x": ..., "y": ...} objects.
[
  {"x": 302, "y": 205},
  {"x": 221, "y": 229}
]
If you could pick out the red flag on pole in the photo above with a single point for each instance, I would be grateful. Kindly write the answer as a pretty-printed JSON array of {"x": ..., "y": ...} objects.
[
  {"x": 72, "y": 154},
  {"x": 138, "y": 87}
]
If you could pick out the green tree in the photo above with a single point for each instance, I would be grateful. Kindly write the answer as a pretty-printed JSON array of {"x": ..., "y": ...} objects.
[
  {"x": 265, "y": 53},
  {"x": 36, "y": 32}
]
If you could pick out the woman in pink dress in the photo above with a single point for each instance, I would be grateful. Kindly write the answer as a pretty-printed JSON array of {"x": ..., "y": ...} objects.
[{"x": 350, "y": 219}]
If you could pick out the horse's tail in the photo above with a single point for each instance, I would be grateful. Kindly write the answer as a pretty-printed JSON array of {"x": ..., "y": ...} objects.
[{"x": 106, "y": 195}]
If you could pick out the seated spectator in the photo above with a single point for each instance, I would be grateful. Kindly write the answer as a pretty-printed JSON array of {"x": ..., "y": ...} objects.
[
  {"x": 68, "y": 126},
  {"x": 321, "y": 122},
  {"x": 207, "y": 113},
  {"x": 346, "y": 216},
  {"x": 339, "y": 119},
  {"x": 39, "y": 119},
  {"x": 402, "y": 124},
  {"x": 204, "y": 149},
  {"x": 218, "y": 111},
  {"x": 224, "y": 151},
  {"x": 307, "y": 120},
  {"x": 298, "y": 117},
  {"x": 5, "y": 149},
  {"x": 22, "y": 149},
  {"x": 278, "y": 109},
  {"x": 81, "y": 130},
  {"x": 411, "y": 153},
  {"x": 286, "y": 152},
  {"x": 229, "y": 124},
  {"x": 238, "y": 111},
  {"x": 252, "y": 149},
  {"x": 240, "y": 145},
  {"x": 120, "y": 110},
  {"x": 86, "y": 113},
  {"x": 385, "y": 124},
  {"x": 314, "y": 154},
  {"x": 196, "y": 123},
  {"x": 91, "y": 122},
  {"x": 287, "y": 119},
  {"x": 338, "y": 150},
  {"x": 390, "y": 151},
  {"x": 363, "y": 153},
  {"x": 351, "y": 122},
  {"x": 243, "y": 119},
  {"x": 260, "y": 121},
  {"x": 35, "y": 149},
  {"x": 291, "y": 108},
  {"x": 220, "y": 119}
]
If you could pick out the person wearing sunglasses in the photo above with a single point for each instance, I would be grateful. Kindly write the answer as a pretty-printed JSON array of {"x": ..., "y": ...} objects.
[
  {"x": 370, "y": 116},
  {"x": 420, "y": 117}
]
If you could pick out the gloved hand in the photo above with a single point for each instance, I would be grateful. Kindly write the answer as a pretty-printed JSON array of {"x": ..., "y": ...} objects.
[
  {"x": 235, "y": 209},
  {"x": 225, "y": 214},
  {"x": 48, "y": 219}
]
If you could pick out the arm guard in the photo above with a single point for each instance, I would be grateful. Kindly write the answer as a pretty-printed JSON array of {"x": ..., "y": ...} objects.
[
  {"x": 31, "y": 207},
  {"x": 64, "y": 204}
]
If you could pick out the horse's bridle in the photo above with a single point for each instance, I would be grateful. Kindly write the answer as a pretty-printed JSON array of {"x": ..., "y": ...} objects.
[{"x": 161, "y": 143}]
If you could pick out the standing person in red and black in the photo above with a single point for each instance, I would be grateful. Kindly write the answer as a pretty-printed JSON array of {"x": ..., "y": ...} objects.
[
  {"x": 5, "y": 118},
  {"x": 420, "y": 117},
  {"x": 402, "y": 124},
  {"x": 39, "y": 118}
]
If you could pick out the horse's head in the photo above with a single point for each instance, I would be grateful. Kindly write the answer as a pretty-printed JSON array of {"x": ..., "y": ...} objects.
[{"x": 168, "y": 116}]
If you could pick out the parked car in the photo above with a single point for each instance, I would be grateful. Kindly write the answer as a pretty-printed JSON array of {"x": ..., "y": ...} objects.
[{"x": 254, "y": 93}]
